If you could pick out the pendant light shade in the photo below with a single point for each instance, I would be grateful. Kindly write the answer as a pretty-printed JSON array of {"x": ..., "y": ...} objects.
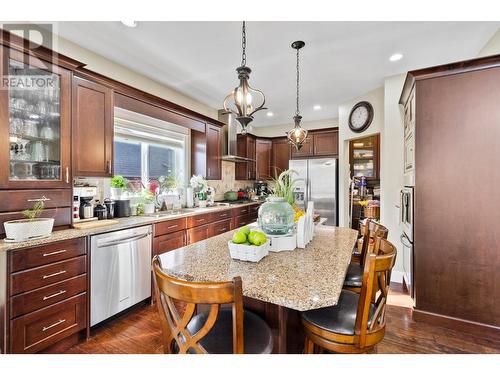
[
  {"x": 297, "y": 135},
  {"x": 244, "y": 100}
]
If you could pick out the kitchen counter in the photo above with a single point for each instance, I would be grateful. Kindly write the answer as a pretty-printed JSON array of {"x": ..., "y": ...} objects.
[
  {"x": 301, "y": 280},
  {"x": 124, "y": 223}
]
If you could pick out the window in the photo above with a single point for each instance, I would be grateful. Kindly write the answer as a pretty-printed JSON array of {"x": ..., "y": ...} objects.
[{"x": 146, "y": 149}]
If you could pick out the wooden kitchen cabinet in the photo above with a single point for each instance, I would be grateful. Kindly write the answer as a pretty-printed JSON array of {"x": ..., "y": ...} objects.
[
  {"x": 263, "y": 150},
  {"x": 326, "y": 143},
  {"x": 92, "y": 127},
  {"x": 168, "y": 242},
  {"x": 35, "y": 125},
  {"x": 246, "y": 145},
  {"x": 305, "y": 151},
  {"x": 196, "y": 234},
  {"x": 206, "y": 152},
  {"x": 364, "y": 157},
  {"x": 280, "y": 156}
]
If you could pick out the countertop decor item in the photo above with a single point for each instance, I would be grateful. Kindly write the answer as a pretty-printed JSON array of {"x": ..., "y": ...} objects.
[
  {"x": 242, "y": 101},
  {"x": 298, "y": 135},
  {"x": 284, "y": 185},
  {"x": 118, "y": 185},
  {"x": 276, "y": 216},
  {"x": 31, "y": 227},
  {"x": 231, "y": 195}
]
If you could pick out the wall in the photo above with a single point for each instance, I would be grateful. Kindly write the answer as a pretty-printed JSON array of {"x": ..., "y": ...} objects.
[
  {"x": 108, "y": 68},
  {"x": 228, "y": 181},
  {"x": 376, "y": 98},
  {"x": 492, "y": 47},
  {"x": 279, "y": 130}
]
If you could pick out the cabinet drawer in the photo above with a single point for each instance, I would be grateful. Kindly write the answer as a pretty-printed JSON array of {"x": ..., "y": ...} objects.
[
  {"x": 169, "y": 226},
  {"x": 168, "y": 242},
  {"x": 197, "y": 234},
  {"x": 242, "y": 220},
  {"x": 194, "y": 221},
  {"x": 254, "y": 209},
  {"x": 241, "y": 210},
  {"x": 38, "y": 256},
  {"x": 18, "y": 200},
  {"x": 33, "y": 332},
  {"x": 220, "y": 227},
  {"x": 221, "y": 215},
  {"x": 27, "y": 302},
  {"x": 62, "y": 216},
  {"x": 24, "y": 281}
]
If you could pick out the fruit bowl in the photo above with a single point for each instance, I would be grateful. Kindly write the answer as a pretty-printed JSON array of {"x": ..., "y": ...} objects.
[{"x": 249, "y": 253}]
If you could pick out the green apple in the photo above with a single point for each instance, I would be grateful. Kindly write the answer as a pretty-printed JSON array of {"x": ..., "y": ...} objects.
[
  {"x": 244, "y": 230},
  {"x": 239, "y": 237}
]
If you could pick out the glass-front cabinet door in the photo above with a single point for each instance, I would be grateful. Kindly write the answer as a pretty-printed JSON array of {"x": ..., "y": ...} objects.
[
  {"x": 364, "y": 157},
  {"x": 35, "y": 127}
]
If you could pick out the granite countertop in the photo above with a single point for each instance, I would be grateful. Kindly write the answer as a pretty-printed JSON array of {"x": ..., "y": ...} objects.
[
  {"x": 124, "y": 223},
  {"x": 302, "y": 279}
]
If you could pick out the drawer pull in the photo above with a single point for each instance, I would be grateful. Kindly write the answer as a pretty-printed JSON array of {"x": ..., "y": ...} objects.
[
  {"x": 54, "y": 295},
  {"x": 172, "y": 226},
  {"x": 53, "y": 274},
  {"x": 61, "y": 321},
  {"x": 42, "y": 199},
  {"x": 54, "y": 253},
  {"x": 222, "y": 229},
  {"x": 200, "y": 220}
]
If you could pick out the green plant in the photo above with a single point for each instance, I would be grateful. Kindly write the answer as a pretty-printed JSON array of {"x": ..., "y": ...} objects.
[
  {"x": 169, "y": 182},
  {"x": 118, "y": 182},
  {"x": 140, "y": 209},
  {"x": 284, "y": 184},
  {"x": 35, "y": 211},
  {"x": 147, "y": 196}
]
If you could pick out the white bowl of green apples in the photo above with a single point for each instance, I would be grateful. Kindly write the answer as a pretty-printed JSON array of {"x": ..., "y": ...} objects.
[{"x": 249, "y": 245}]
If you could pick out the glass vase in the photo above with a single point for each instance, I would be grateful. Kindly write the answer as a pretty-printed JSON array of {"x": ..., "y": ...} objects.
[{"x": 276, "y": 216}]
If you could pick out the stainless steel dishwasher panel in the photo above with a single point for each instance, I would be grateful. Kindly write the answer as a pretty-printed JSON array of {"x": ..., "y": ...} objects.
[{"x": 120, "y": 271}]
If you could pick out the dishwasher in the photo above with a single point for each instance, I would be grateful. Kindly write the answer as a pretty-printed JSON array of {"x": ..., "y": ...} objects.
[{"x": 120, "y": 271}]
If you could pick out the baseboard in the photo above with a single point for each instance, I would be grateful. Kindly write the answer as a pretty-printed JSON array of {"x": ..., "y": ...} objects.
[
  {"x": 397, "y": 277},
  {"x": 458, "y": 324}
]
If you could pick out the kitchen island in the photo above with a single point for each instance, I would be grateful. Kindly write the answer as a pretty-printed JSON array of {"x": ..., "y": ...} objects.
[{"x": 280, "y": 285}]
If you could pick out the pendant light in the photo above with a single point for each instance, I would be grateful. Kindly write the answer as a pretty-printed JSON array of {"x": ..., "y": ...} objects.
[
  {"x": 241, "y": 101},
  {"x": 298, "y": 135}
]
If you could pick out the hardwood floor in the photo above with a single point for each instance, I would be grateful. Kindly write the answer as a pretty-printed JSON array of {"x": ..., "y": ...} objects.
[{"x": 138, "y": 332}]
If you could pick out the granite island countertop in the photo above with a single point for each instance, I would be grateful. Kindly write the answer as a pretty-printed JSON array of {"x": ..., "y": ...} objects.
[
  {"x": 302, "y": 279},
  {"x": 124, "y": 223}
]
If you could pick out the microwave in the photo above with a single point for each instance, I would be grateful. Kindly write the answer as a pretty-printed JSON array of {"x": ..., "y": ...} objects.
[{"x": 406, "y": 211}]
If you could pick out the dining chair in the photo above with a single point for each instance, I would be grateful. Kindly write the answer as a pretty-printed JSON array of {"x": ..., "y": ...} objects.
[
  {"x": 357, "y": 323},
  {"x": 204, "y": 326},
  {"x": 369, "y": 230}
]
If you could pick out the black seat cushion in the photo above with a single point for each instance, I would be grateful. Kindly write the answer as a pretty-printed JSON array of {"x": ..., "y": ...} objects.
[
  {"x": 339, "y": 318},
  {"x": 257, "y": 334},
  {"x": 354, "y": 276}
]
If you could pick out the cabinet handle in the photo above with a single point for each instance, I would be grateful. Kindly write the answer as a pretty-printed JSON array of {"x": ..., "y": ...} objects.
[
  {"x": 223, "y": 215},
  {"x": 172, "y": 226},
  {"x": 54, "y": 295},
  {"x": 67, "y": 175},
  {"x": 200, "y": 220},
  {"x": 209, "y": 175},
  {"x": 54, "y": 253},
  {"x": 61, "y": 321},
  {"x": 108, "y": 166},
  {"x": 43, "y": 199},
  {"x": 222, "y": 229},
  {"x": 53, "y": 274}
]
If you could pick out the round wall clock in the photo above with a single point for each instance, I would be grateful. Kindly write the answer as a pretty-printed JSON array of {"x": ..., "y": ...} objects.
[{"x": 361, "y": 117}]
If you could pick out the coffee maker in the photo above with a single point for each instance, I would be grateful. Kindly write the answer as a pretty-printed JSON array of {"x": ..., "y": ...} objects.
[
  {"x": 83, "y": 209},
  {"x": 261, "y": 188}
]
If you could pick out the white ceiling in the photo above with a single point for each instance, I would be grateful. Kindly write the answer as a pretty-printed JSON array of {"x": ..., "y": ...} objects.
[{"x": 341, "y": 60}]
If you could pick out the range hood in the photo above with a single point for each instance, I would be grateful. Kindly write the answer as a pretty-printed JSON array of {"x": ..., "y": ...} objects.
[{"x": 229, "y": 138}]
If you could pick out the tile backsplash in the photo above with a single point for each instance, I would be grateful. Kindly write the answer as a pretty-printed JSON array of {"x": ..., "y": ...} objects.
[{"x": 228, "y": 181}]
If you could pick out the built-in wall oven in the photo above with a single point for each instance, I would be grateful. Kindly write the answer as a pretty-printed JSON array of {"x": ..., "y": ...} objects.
[{"x": 406, "y": 222}]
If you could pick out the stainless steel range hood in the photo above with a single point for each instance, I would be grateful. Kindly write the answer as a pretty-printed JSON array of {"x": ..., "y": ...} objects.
[{"x": 229, "y": 138}]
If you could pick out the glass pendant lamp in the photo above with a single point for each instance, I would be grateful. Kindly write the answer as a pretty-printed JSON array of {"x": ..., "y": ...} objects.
[{"x": 297, "y": 135}]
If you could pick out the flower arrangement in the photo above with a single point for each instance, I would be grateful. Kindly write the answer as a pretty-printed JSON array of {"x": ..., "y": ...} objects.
[{"x": 199, "y": 184}]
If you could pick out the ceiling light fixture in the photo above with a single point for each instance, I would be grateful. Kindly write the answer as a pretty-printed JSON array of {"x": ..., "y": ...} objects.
[
  {"x": 270, "y": 114},
  {"x": 298, "y": 135},
  {"x": 129, "y": 23},
  {"x": 317, "y": 107},
  {"x": 396, "y": 57},
  {"x": 241, "y": 101}
]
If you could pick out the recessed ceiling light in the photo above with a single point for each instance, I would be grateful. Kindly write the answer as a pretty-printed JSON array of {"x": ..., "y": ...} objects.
[
  {"x": 317, "y": 107},
  {"x": 396, "y": 57},
  {"x": 130, "y": 23},
  {"x": 270, "y": 114}
]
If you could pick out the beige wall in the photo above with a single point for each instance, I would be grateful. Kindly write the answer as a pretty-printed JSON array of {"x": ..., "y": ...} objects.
[
  {"x": 108, "y": 68},
  {"x": 492, "y": 47},
  {"x": 279, "y": 130}
]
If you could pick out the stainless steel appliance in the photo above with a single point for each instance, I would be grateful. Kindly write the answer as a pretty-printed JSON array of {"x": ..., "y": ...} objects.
[
  {"x": 261, "y": 188},
  {"x": 318, "y": 184},
  {"x": 120, "y": 266},
  {"x": 406, "y": 222},
  {"x": 83, "y": 196},
  {"x": 122, "y": 208},
  {"x": 229, "y": 134}
]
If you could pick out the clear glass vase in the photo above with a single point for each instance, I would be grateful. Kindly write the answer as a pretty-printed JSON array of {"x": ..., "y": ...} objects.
[{"x": 276, "y": 216}]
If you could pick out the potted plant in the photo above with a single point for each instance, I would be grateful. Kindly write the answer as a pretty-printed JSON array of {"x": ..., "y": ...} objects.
[
  {"x": 31, "y": 227},
  {"x": 118, "y": 185},
  {"x": 199, "y": 185},
  {"x": 148, "y": 202}
]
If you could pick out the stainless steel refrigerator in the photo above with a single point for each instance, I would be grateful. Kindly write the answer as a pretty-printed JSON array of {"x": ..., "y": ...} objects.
[{"x": 319, "y": 184}]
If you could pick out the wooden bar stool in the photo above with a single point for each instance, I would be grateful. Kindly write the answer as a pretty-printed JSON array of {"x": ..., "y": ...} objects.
[
  {"x": 354, "y": 275},
  {"x": 357, "y": 323},
  {"x": 219, "y": 330}
]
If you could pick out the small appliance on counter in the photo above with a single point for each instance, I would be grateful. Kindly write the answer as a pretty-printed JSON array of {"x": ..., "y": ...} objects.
[
  {"x": 122, "y": 208},
  {"x": 261, "y": 188},
  {"x": 83, "y": 209},
  {"x": 110, "y": 207},
  {"x": 100, "y": 211}
]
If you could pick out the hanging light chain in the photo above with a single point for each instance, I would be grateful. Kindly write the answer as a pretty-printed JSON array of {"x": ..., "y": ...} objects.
[
  {"x": 297, "y": 112},
  {"x": 244, "y": 45}
]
